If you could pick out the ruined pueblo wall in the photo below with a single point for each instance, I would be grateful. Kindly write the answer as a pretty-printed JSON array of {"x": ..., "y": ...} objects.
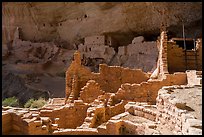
[
  {"x": 113, "y": 127},
  {"x": 179, "y": 116},
  {"x": 100, "y": 40},
  {"x": 109, "y": 78},
  {"x": 23, "y": 122},
  {"x": 31, "y": 52},
  {"x": 83, "y": 74},
  {"x": 115, "y": 110},
  {"x": 97, "y": 47},
  {"x": 87, "y": 131},
  {"x": 69, "y": 117},
  {"x": 148, "y": 91},
  {"x": 90, "y": 91},
  {"x": 123, "y": 127},
  {"x": 133, "y": 129},
  {"x": 176, "y": 57}
]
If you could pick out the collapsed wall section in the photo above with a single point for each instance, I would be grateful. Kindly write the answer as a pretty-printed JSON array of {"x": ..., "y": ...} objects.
[
  {"x": 90, "y": 91},
  {"x": 109, "y": 78},
  {"x": 70, "y": 116},
  {"x": 118, "y": 75},
  {"x": 148, "y": 91}
]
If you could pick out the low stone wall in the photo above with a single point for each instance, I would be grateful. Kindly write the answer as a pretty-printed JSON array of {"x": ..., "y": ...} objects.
[
  {"x": 27, "y": 122},
  {"x": 146, "y": 111},
  {"x": 113, "y": 127},
  {"x": 176, "y": 114},
  {"x": 74, "y": 114},
  {"x": 100, "y": 114},
  {"x": 115, "y": 110},
  {"x": 90, "y": 91},
  {"x": 148, "y": 91},
  {"x": 133, "y": 129},
  {"x": 122, "y": 127},
  {"x": 88, "y": 131}
]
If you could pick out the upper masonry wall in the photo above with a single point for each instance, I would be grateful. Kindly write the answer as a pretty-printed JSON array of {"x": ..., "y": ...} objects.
[
  {"x": 95, "y": 40},
  {"x": 179, "y": 61},
  {"x": 98, "y": 40}
]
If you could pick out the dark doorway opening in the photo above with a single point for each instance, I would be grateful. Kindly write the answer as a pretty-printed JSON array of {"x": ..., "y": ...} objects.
[{"x": 189, "y": 44}]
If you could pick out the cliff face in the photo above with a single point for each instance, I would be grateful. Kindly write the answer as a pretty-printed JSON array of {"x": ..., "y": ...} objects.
[{"x": 70, "y": 22}]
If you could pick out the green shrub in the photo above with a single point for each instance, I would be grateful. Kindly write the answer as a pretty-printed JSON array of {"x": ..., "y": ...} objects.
[
  {"x": 29, "y": 103},
  {"x": 38, "y": 103},
  {"x": 35, "y": 103},
  {"x": 12, "y": 101}
]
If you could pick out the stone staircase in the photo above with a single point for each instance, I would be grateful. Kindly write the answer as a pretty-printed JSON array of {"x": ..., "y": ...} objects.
[{"x": 142, "y": 110}]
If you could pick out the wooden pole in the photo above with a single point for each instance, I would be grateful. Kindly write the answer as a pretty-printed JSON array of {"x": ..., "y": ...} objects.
[{"x": 184, "y": 42}]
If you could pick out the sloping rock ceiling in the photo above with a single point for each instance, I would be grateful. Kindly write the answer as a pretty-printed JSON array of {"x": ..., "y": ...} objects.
[{"x": 72, "y": 21}]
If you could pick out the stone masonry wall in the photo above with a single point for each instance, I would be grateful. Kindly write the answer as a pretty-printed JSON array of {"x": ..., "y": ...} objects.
[
  {"x": 27, "y": 122},
  {"x": 178, "y": 114},
  {"x": 69, "y": 116},
  {"x": 109, "y": 78},
  {"x": 176, "y": 57},
  {"x": 176, "y": 60},
  {"x": 90, "y": 91},
  {"x": 87, "y": 131},
  {"x": 117, "y": 75},
  {"x": 147, "y": 91},
  {"x": 96, "y": 47},
  {"x": 95, "y": 40}
]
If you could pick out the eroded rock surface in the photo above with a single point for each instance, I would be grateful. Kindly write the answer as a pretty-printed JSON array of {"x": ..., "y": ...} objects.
[{"x": 73, "y": 21}]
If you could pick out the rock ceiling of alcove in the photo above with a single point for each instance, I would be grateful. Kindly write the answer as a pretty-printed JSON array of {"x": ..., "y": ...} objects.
[{"x": 72, "y": 21}]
